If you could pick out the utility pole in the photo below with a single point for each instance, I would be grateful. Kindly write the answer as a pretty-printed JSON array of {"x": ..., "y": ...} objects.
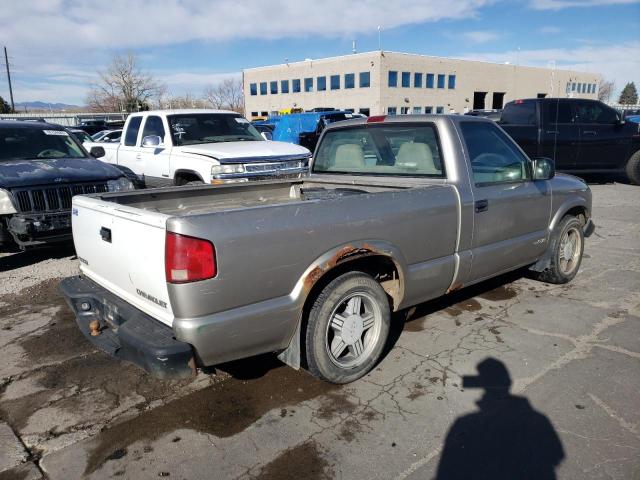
[{"x": 6, "y": 62}]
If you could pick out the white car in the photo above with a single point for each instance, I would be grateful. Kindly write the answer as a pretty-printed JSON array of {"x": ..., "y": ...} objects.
[{"x": 178, "y": 147}]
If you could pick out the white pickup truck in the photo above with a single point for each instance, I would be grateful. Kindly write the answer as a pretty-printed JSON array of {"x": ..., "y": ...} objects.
[{"x": 179, "y": 147}]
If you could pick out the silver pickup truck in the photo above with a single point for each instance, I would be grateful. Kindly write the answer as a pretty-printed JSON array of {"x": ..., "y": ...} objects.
[{"x": 396, "y": 211}]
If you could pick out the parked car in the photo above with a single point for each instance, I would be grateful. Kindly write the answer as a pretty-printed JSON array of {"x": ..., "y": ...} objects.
[
  {"x": 91, "y": 126},
  {"x": 396, "y": 211},
  {"x": 80, "y": 135},
  {"x": 633, "y": 118},
  {"x": 581, "y": 136},
  {"x": 305, "y": 128},
  {"x": 42, "y": 166},
  {"x": 490, "y": 114},
  {"x": 178, "y": 147},
  {"x": 107, "y": 136}
]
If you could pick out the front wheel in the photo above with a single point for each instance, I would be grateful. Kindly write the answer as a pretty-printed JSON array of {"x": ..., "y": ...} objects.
[
  {"x": 347, "y": 329},
  {"x": 567, "y": 246}
]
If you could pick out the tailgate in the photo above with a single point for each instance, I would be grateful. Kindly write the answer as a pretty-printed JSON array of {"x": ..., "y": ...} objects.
[{"x": 122, "y": 249}]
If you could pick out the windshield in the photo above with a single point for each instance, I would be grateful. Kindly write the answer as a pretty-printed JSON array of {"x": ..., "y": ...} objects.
[
  {"x": 381, "y": 149},
  {"x": 32, "y": 144},
  {"x": 195, "y": 128}
]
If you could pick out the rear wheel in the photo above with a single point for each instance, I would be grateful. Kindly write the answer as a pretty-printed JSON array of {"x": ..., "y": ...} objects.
[
  {"x": 567, "y": 246},
  {"x": 633, "y": 168},
  {"x": 347, "y": 329}
]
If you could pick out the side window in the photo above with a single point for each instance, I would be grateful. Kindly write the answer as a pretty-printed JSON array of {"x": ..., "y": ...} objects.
[
  {"x": 594, "y": 112},
  {"x": 133, "y": 128},
  {"x": 519, "y": 113},
  {"x": 493, "y": 155},
  {"x": 153, "y": 126},
  {"x": 557, "y": 112}
]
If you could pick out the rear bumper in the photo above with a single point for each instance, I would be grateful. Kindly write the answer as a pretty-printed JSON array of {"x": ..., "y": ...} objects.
[{"x": 127, "y": 333}]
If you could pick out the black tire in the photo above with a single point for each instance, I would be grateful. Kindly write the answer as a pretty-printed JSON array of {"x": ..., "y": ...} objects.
[
  {"x": 321, "y": 335},
  {"x": 633, "y": 168},
  {"x": 194, "y": 182},
  {"x": 558, "y": 272}
]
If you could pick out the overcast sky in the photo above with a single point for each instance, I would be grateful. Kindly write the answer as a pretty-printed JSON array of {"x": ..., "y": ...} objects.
[{"x": 55, "y": 46}]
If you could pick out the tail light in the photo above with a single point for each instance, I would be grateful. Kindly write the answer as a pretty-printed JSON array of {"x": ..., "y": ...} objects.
[
  {"x": 376, "y": 118},
  {"x": 188, "y": 259}
]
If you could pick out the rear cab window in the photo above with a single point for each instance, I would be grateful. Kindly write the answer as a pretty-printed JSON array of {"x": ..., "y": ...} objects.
[
  {"x": 520, "y": 112},
  {"x": 131, "y": 135},
  {"x": 493, "y": 155},
  {"x": 390, "y": 149}
]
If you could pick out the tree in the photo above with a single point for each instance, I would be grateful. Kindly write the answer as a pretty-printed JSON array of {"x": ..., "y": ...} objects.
[
  {"x": 226, "y": 95},
  {"x": 4, "y": 106},
  {"x": 123, "y": 86},
  {"x": 606, "y": 90},
  {"x": 629, "y": 95}
]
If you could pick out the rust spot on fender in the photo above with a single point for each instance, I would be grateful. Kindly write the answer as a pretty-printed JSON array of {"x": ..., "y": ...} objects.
[
  {"x": 347, "y": 252},
  {"x": 454, "y": 287}
]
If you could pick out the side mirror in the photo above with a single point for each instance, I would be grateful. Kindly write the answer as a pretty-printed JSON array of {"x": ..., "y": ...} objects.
[
  {"x": 267, "y": 135},
  {"x": 151, "y": 141},
  {"x": 543, "y": 169},
  {"x": 97, "y": 152}
]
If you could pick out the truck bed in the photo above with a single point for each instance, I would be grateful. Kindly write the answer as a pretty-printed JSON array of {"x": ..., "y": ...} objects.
[{"x": 181, "y": 201}]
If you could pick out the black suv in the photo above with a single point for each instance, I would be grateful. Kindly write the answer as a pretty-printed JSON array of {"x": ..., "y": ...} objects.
[
  {"x": 582, "y": 136},
  {"x": 42, "y": 167}
]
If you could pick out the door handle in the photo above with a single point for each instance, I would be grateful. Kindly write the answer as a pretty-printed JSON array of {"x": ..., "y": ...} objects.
[
  {"x": 138, "y": 156},
  {"x": 552, "y": 132},
  {"x": 482, "y": 205},
  {"x": 589, "y": 132}
]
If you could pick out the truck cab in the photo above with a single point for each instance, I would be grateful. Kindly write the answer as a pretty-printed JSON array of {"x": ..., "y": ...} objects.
[{"x": 582, "y": 136}]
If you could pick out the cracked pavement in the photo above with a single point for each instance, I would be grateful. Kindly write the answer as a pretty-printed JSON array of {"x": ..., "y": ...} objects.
[{"x": 572, "y": 353}]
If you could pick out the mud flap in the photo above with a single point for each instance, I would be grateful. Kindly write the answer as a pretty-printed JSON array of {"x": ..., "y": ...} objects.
[{"x": 291, "y": 355}]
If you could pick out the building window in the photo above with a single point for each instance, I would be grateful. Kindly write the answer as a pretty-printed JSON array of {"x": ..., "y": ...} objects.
[
  {"x": 417, "y": 80},
  {"x": 273, "y": 87},
  {"x": 428, "y": 110},
  {"x": 365, "y": 79},
  {"x": 579, "y": 87},
  {"x": 295, "y": 85},
  {"x": 441, "y": 80},
  {"x": 350, "y": 110},
  {"x": 264, "y": 114},
  {"x": 417, "y": 110},
  {"x": 254, "y": 114},
  {"x": 364, "y": 111},
  {"x": 429, "y": 80},
  {"x": 308, "y": 84},
  {"x": 321, "y": 84},
  {"x": 452, "y": 82},
  {"x": 335, "y": 82},
  {"x": 439, "y": 110},
  {"x": 263, "y": 88},
  {"x": 573, "y": 87},
  {"x": 349, "y": 80},
  {"x": 391, "y": 110},
  {"x": 393, "y": 79},
  {"x": 404, "y": 110},
  {"x": 284, "y": 86},
  {"x": 254, "y": 88},
  {"x": 406, "y": 79}
]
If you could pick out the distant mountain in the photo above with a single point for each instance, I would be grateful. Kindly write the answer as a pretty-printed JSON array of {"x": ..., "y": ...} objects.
[{"x": 20, "y": 106}]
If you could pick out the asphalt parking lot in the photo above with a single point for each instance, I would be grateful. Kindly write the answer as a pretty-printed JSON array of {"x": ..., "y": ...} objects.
[{"x": 467, "y": 379}]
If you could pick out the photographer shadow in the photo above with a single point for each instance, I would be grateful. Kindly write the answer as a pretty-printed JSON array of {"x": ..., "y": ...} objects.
[{"x": 505, "y": 439}]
